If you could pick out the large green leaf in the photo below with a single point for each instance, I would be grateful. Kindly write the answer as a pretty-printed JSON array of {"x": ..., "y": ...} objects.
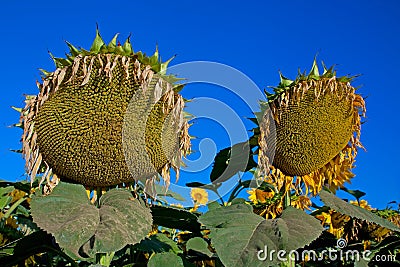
[
  {"x": 68, "y": 215},
  {"x": 249, "y": 235},
  {"x": 75, "y": 223},
  {"x": 165, "y": 259},
  {"x": 123, "y": 220},
  {"x": 343, "y": 207},
  {"x": 303, "y": 228}
]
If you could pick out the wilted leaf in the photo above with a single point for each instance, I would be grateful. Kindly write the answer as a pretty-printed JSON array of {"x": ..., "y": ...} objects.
[
  {"x": 343, "y": 207},
  {"x": 165, "y": 259},
  {"x": 200, "y": 245},
  {"x": 247, "y": 233},
  {"x": 69, "y": 216},
  {"x": 21, "y": 210}
]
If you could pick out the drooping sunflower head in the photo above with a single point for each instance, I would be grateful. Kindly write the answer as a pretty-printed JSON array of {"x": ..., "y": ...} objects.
[
  {"x": 105, "y": 116},
  {"x": 317, "y": 119}
]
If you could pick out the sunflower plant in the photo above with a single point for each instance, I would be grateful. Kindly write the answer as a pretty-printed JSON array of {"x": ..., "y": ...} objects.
[{"x": 94, "y": 197}]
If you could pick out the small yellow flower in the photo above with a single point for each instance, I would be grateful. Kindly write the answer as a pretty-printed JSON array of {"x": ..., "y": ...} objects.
[{"x": 199, "y": 196}]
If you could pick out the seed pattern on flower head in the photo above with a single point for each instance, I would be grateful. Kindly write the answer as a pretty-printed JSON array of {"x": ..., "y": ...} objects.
[
  {"x": 318, "y": 124},
  {"x": 73, "y": 128}
]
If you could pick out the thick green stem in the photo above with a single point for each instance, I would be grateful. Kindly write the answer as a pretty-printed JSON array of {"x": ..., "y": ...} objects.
[{"x": 286, "y": 200}]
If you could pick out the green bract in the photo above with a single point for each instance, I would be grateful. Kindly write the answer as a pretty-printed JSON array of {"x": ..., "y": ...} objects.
[{"x": 100, "y": 47}]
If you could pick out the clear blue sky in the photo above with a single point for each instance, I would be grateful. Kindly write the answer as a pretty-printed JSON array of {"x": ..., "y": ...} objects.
[{"x": 256, "y": 37}]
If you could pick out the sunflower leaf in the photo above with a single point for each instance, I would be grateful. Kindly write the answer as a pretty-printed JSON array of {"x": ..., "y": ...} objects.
[
  {"x": 123, "y": 220},
  {"x": 250, "y": 236},
  {"x": 355, "y": 193},
  {"x": 200, "y": 245},
  {"x": 75, "y": 223},
  {"x": 68, "y": 215},
  {"x": 343, "y": 207},
  {"x": 166, "y": 259},
  {"x": 229, "y": 161},
  {"x": 175, "y": 218},
  {"x": 158, "y": 243}
]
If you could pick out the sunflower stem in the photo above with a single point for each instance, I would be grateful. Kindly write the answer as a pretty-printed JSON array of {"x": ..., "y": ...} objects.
[
  {"x": 220, "y": 198},
  {"x": 286, "y": 200}
]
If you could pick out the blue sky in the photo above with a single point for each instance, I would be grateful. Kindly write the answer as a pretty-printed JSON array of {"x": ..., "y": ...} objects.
[{"x": 257, "y": 38}]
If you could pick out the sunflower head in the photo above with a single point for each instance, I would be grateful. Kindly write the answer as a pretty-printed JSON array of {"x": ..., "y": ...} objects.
[
  {"x": 84, "y": 126},
  {"x": 317, "y": 122}
]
